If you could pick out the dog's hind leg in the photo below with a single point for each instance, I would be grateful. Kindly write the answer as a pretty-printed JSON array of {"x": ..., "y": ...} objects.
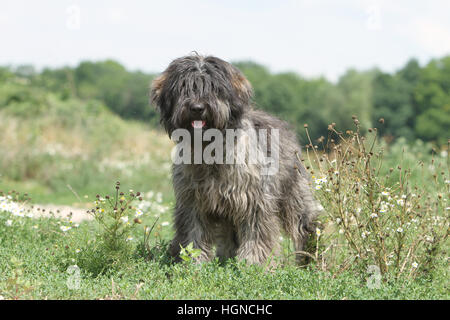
[{"x": 299, "y": 211}]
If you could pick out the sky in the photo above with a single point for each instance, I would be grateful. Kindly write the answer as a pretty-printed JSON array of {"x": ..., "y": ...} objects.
[{"x": 312, "y": 37}]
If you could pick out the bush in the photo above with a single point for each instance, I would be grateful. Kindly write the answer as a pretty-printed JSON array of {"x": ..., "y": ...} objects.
[{"x": 375, "y": 218}]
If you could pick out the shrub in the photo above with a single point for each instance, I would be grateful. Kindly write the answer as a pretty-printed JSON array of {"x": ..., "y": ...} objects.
[{"x": 373, "y": 217}]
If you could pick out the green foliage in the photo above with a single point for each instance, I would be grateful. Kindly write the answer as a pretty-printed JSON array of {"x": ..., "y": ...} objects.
[
  {"x": 189, "y": 254},
  {"x": 414, "y": 101}
]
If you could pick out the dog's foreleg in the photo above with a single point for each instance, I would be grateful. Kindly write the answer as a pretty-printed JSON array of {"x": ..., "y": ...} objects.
[
  {"x": 259, "y": 238},
  {"x": 189, "y": 228}
]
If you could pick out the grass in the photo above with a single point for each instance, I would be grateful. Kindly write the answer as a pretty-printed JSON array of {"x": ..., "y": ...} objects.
[
  {"x": 73, "y": 151},
  {"x": 43, "y": 276}
]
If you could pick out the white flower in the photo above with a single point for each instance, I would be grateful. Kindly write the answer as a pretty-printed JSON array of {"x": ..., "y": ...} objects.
[
  {"x": 385, "y": 193},
  {"x": 77, "y": 251},
  {"x": 124, "y": 219},
  {"x": 64, "y": 228},
  {"x": 415, "y": 265},
  {"x": 399, "y": 230},
  {"x": 165, "y": 224},
  {"x": 338, "y": 220},
  {"x": 129, "y": 238},
  {"x": 159, "y": 197},
  {"x": 318, "y": 232},
  {"x": 341, "y": 231},
  {"x": 318, "y": 187},
  {"x": 400, "y": 202},
  {"x": 35, "y": 226},
  {"x": 374, "y": 215},
  {"x": 8, "y": 223},
  {"x": 138, "y": 213}
]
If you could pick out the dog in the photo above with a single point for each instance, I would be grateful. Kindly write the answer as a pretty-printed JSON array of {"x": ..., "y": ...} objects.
[{"x": 232, "y": 208}]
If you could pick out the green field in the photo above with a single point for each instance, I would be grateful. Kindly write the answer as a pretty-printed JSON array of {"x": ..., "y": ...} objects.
[{"x": 76, "y": 150}]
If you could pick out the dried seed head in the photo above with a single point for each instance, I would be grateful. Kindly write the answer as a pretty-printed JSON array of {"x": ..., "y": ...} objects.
[{"x": 137, "y": 220}]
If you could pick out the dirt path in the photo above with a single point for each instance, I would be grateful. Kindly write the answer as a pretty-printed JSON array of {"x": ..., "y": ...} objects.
[{"x": 60, "y": 211}]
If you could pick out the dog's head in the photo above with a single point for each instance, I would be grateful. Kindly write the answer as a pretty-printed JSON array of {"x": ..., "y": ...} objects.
[{"x": 200, "y": 92}]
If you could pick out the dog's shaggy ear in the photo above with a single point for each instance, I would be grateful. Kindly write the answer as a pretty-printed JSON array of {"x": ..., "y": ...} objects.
[
  {"x": 156, "y": 88},
  {"x": 241, "y": 85}
]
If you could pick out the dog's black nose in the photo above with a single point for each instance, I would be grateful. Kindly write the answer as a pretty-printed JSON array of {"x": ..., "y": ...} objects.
[{"x": 197, "y": 108}]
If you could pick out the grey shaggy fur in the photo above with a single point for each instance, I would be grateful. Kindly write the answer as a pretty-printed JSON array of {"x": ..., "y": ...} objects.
[{"x": 231, "y": 207}]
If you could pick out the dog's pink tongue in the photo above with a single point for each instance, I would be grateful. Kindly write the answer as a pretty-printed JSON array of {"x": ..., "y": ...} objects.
[{"x": 198, "y": 124}]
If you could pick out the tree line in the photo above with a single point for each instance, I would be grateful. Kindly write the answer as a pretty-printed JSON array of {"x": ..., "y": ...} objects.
[{"x": 414, "y": 101}]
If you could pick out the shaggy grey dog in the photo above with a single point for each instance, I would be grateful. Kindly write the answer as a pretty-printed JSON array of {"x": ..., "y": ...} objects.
[{"x": 231, "y": 207}]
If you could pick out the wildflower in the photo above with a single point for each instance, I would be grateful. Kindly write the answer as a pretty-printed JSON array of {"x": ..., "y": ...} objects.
[
  {"x": 415, "y": 265},
  {"x": 165, "y": 223},
  {"x": 159, "y": 197},
  {"x": 374, "y": 215},
  {"x": 385, "y": 193},
  {"x": 64, "y": 228},
  {"x": 318, "y": 187},
  {"x": 129, "y": 238},
  {"x": 318, "y": 232},
  {"x": 77, "y": 250},
  {"x": 400, "y": 202},
  {"x": 138, "y": 213},
  {"x": 35, "y": 227},
  {"x": 8, "y": 223},
  {"x": 338, "y": 220},
  {"x": 124, "y": 219},
  {"x": 341, "y": 231},
  {"x": 399, "y": 230}
]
